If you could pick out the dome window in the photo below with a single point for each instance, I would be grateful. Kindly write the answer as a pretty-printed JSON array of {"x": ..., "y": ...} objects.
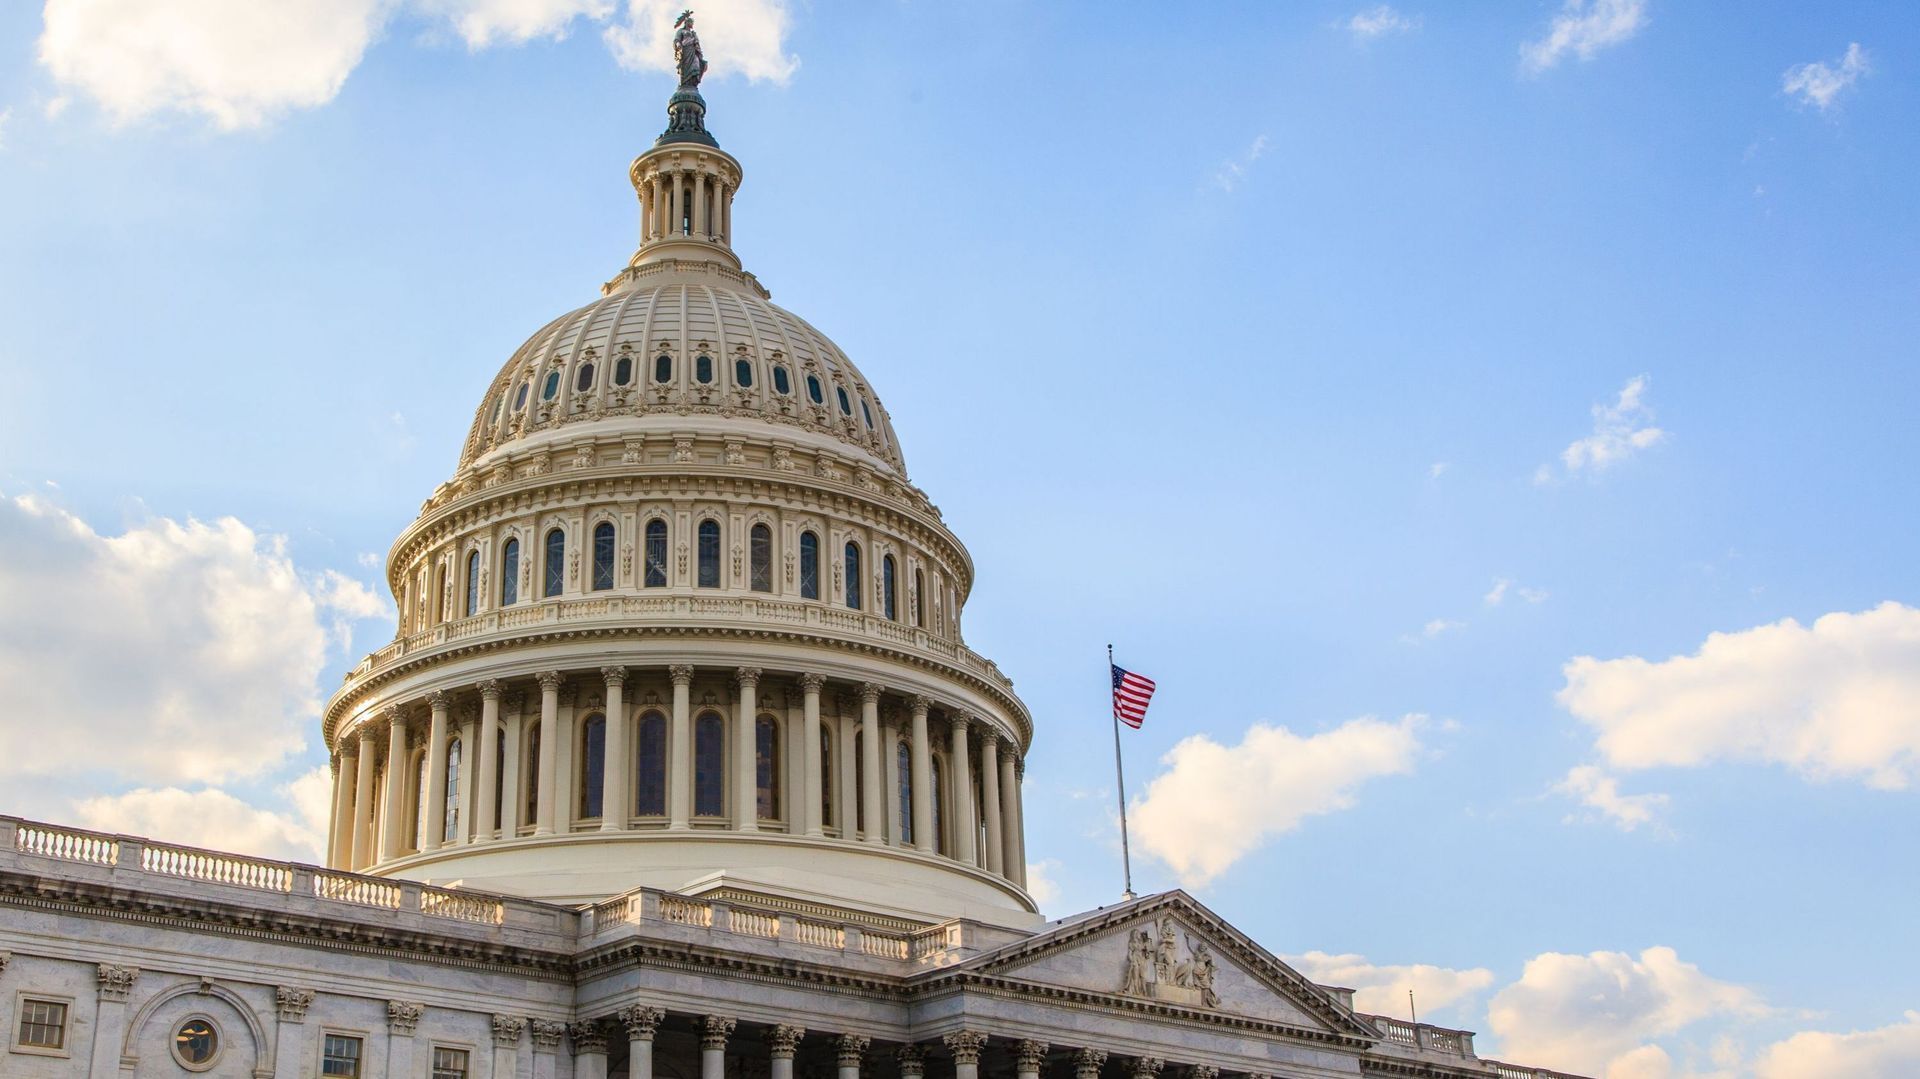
[
  {"x": 584, "y": 381},
  {"x": 656, "y": 553},
  {"x": 520, "y": 399},
  {"x": 603, "y": 556},
  {"x": 813, "y": 390},
  {"x": 709, "y": 765},
  {"x": 853, "y": 576},
  {"x": 551, "y": 387},
  {"x": 663, "y": 368},
  {"x": 809, "y": 566},
  {"x": 887, "y": 575},
  {"x": 499, "y": 405},
  {"x": 743, "y": 373},
  {"x": 709, "y": 553},
  {"x": 623, "y": 371},
  {"x": 760, "y": 549},
  {"x": 473, "y": 583},
  {"x": 781, "y": 385},
  {"x": 703, "y": 369},
  {"x": 846, "y": 406},
  {"x": 867, "y": 412},
  {"x": 556, "y": 567},
  {"x": 510, "y": 573}
]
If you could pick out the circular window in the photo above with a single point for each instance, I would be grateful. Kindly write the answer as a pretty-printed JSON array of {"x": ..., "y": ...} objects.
[{"x": 197, "y": 1045}]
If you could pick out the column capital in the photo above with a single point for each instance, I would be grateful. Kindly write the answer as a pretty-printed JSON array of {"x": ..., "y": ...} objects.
[
  {"x": 1086, "y": 1063},
  {"x": 116, "y": 982},
  {"x": 587, "y": 1036},
  {"x": 547, "y": 1033},
  {"x": 615, "y": 676},
  {"x": 1203, "y": 1071},
  {"x": 490, "y": 689},
  {"x": 870, "y": 692},
  {"x": 784, "y": 1040},
  {"x": 911, "y": 1059},
  {"x": 989, "y": 738},
  {"x": 641, "y": 1020},
  {"x": 507, "y": 1030},
  {"x": 292, "y": 1004},
  {"x": 550, "y": 682},
  {"x": 958, "y": 721},
  {"x": 1146, "y": 1068},
  {"x": 747, "y": 677},
  {"x": 812, "y": 682},
  {"x": 439, "y": 699},
  {"x": 920, "y": 703},
  {"x": 681, "y": 674},
  {"x": 965, "y": 1045},
  {"x": 851, "y": 1049},
  {"x": 1029, "y": 1055},
  {"x": 715, "y": 1030},
  {"x": 403, "y": 1016},
  {"x": 393, "y": 715}
]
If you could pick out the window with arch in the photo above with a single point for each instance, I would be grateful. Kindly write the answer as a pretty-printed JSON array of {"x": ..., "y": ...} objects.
[
  {"x": 532, "y": 772},
  {"x": 452, "y": 829},
  {"x": 551, "y": 387},
  {"x": 510, "y": 573},
  {"x": 867, "y": 413},
  {"x": 813, "y": 390},
  {"x": 766, "y": 768},
  {"x": 846, "y": 406},
  {"x": 650, "y": 773},
  {"x": 439, "y": 594},
  {"x": 919, "y": 599},
  {"x": 743, "y": 373},
  {"x": 556, "y": 567},
  {"x": 603, "y": 556},
  {"x": 887, "y": 589},
  {"x": 781, "y": 384},
  {"x": 709, "y": 553},
  {"x": 853, "y": 575},
  {"x": 760, "y": 557},
  {"x": 593, "y": 765},
  {"x": 499, "y": 406},
  {"x": 520, "y": 397},
  {"x": 623, "y": 371},
  {"x": 938, "y": 832},
  {"x": 809, "y": 566},
  {"x": 703, "y": 369},
  {"x": 663, "y": 368},
  {"x": 473, "y": 583},
  {"x": 584, "y": 380},
  {"x": 827, "y": 772},
  {"x": 903, "y": 764},
  {"x": 656, "y": 557},
  {"x": 709, "y": 765}
]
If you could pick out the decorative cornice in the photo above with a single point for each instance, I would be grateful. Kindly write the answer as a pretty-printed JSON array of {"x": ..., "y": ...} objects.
[
  {"x": 403, "y": 1016},
  {"x": 715, "y": 1030},
  {"x": 116, "y": 982},
  {"x": 783, "y": 1041},
  {"x": 965, "y": 1045},
  {"x": 292, "y": 1004},
  {"x": 546, "y": 1033},
  {"x": 641, "y": 1020},
  {"x": 851, "y": 1049},
  {"x": 507, "y": 1030}
]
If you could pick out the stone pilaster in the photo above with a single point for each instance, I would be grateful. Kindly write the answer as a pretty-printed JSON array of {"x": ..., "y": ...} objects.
[
  {"x": 110, "y": 1018},
  {"x": 588, "y": 1040},
  {"x": 507, "y": 1031},
  {"x": 289, "y": 1039},
  {"x": 911, "y": 1060},
  {"x": 849, "y": 1051},
  {"x": 403, "y": 1016}
]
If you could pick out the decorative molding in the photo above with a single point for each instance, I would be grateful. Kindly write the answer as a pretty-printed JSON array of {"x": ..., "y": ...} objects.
[
  {"x": 1146, "y": 1068},
  {"x": 641, "y": 1020},
  {"x": 292, "y": 1004},
  {"x": 851, "y": 1049},
  {"x": 546, "y": 1033},
  {"x": 783, "y": 1041},
  {"x": 5, "y": 959},
  {"x": 587, "y": 1036},
  {"x": 551, "y": 681},
  {"x": 403, "y": 1016},
  {"x": 507, "y": 1030},
  {"x": 965, "y": 1045},
  {"x": 715, "y": 1030},
  {"x": 116, "y": 982},
  {"x": 919, "y": 704},
  {"x": 1155, "y": 970},
  {"x": 439, "y": 699}
]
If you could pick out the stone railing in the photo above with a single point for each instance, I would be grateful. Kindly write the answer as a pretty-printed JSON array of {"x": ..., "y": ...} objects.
[
  {"x": 1516, "y": 1071},
  {"x": 935, "y": 945},
  {"x": 214, "y": 866},
  {"x": 1423, "y": 1036},
  {"x": 65, "y": 844}
]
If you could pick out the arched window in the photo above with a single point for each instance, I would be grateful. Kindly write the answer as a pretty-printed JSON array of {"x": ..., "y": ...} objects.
[
  {"x": 603, "y": 556},
  {"x": 760, "y": 557},
  {"x": 531, "y": 769},
  {"x": 703, "y": 368},
  {"x": 663, "y": 368},
  {"x": 853, "y": 576},
  {"x": 939, "y": 834},
  {"x": 709, "y": 766},
  {"x": 510, "y": 573},
  {"x": 656, "y": 553},
  {"x": 593, "y": 764},
  {"x": 473, "y": 583},
  {"x": 809, "y": 566},
  {"x": 650, "y": 776},
  {"x": 743, "y": 373},
  {"x": 623, "y": 371},
  {"x": 827, "y": 772},
  {"x": 867, "y": 412},
  {"x": 439, "y": 594},
  {"x": 551, "y": 386},
  {"x": 520, "y": 398},
  {"x": 919, "y": 599},
  {"x": 781, "y": 384},
  {"x": 556, "y": 567},
  {"x": 886, "y": 588},
  {"x": 859, "y": 781},
  {"x": 813, "y": 390},
  {"x": 766, "y": 768},
  {"x": 709, "y": 553},
  {"x": 584, "y": 381},
  {"x": 452, "y": 830},
  {"x": 903, "y": 763},
  {"x": 846, "y": 406}
]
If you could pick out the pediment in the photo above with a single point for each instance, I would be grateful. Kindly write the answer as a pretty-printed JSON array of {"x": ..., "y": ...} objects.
[{"x": 1169, "y": 951}]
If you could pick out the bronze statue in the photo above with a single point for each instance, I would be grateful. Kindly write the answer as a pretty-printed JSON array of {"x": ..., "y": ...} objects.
[{"x": 686, "y": 52}]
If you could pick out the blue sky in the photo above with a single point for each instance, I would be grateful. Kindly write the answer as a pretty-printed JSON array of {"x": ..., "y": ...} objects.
[{"x": 1264, "y": 341}]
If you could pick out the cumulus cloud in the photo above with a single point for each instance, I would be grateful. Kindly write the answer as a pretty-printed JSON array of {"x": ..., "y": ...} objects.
[
  {"x": 1600, "y": 792},
  {"x": 1621, "y": 429},
  {"x": 1214, "y": 804},
  {"x": 1438, "y": 469},
  {"x": 1040, "y": 882},
  {"x": 1231, "y": 174},
  {"x": 1837, "y": 699},
  {"x": 1583, "y": 28},
  {"x": 1381, "y": 20},
  {"x": 1591, "y": 1013},
  {"x": 214, "y": 819},
  {"x": 1819, "y": 84},
  {"x": 1889, "y": 1052},
  {"x": 743, "y": 37},
  {"x": 1505, "y": 586},
  {"x": 481, "y": 23},
  {"x": 5, "y": 115},
  {"x": 1382, "y": 990}
]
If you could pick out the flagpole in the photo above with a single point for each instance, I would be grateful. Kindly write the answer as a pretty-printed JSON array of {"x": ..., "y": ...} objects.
[{"x": 1120, "y": 773}]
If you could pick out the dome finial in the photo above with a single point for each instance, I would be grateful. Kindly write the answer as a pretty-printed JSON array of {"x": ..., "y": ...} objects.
[{"x": 686, "y": 109}]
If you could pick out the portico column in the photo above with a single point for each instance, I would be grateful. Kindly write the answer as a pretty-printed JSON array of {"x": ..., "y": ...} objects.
[
  {"x": 546, "y": 1038},
  {"x": 851, "y": 1049},
  {"x": 746, "y": 786},
  {"x": 363, "y": 798},
  {"x": 965, "y": 1046},
  {"x": 911, "y": 1060},
  {"x": 507, "y": 1030},
  {"x": 641, "y": 1021},
  {"x": 289, "y": 1047},
  {"x": 549, "y": 752},
  {"x": 870, "y": 762},
  {"x": 782, "y": 1042},
  {"x": 615, "y": 803},
  {"x": 1010, "y": 815},
  {"x": 1086, "y": 1063},
  {"x": 963, "y": 826},
  {"x": 680, "y": 750},
  {"x": 810, "y": 752},
  {"x": 344, "y": 774},
  {"x": 395, "y": 784},
  {"x": 990, "y": 797},
  {"x": 1028, "y": 1058},
  {"x": 922, "y": 778},
  {"x": 469, "y": 801},
  {"x": 483, "y": 807},
  {"x": 110, "y": 1019},
  {"x": 589, "y": 1043},
  {"x": 713, "y": 1046},
  {"x": 1146, "y": 1068},
  {"x": 435, "y": 826},
  {"x": 403, "y": 1017}
]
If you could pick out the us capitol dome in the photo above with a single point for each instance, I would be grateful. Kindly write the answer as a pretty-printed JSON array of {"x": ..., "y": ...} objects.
[{"x": 680, "y": 619}]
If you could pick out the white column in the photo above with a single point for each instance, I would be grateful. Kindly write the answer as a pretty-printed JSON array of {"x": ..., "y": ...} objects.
[
  {"x": 589, "y": 1043},
  {"x": 783, "y": 1042},
  {"x": 700, "y": 205},
  {"x": 962, "y": 774},
  {"x": 990, "y": 799},
  {"x": 1028, "y": 1058},
  {"x": 846, "y": 792},
  {"x": 1020, "y": 820},
  {"x": 486, "y": 775},
  {"x": 965, "y": 1045},
  {"x": 512, "y": 801},
  {"x": 507, "y": 1030},
  {"x": 615, "y": 803},
  {"x": 890, "y": 788},
  {"x": 678, "y": 209},
  {"x": 346, "y": 767},
  {"x": 746, "y": 789},
  {"x": 1010, "y": 816},
  {"x": 726, "y": 214},
  {"x": 680, "y": 750},
  {"x": 396, "y": 785},
  {"x": 870, "y": 762},
  {"x": 1086, "y": 1063},
  {"x": 363, "y": 797},
  {"x": 566, "y": 788},
  {"x": 435, "y": 826},
  {"x": 852, "y": 1048},
  {"x": 641, "y": 1021},
  {"x": 810, "y": 750},
  {"x": 656, "y": 218},
  {"x": 549, "y": 750},
  {"x": 911, "y": 1061},
  {"x": 110, "y": 1020},
  {"x": 922, "y": 778},
  {"x": 289, "y": 1042},
  {"x": 713, "y": 1046},
  {"x": 469, "y": 767}
]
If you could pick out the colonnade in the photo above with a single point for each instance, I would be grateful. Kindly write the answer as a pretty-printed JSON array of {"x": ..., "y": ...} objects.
[
  {"x": 686, "y": 202},
  {"x": 739, "y": 750}
]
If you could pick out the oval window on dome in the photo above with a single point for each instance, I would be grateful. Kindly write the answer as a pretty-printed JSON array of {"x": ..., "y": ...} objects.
[
  {"x": 780, "y": 383},
  {"x": 623, "y": 371},
  {"x": 663, "y": 368},
  {"x": 703, "y": 368},
  {"x": 846, "y": 406},
  {"x": 813, "y": 390},
  {"x": 743, "y": 373},
  {"x": 520, "y": 399},
  {"x": 584, "y": 382},
  {"x": 552, "y": 386},
  {"x": 867, "y": 412}
]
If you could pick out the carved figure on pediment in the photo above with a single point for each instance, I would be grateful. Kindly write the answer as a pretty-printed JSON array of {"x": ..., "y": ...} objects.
[
  {"x": 1139, "y": 963},
  {"x": 1164, "y": 962},
  {"x": 1201, "y": 972}
]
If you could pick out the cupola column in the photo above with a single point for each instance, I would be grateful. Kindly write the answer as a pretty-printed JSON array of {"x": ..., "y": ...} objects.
[
  {"x": 396, "y": 783},
  {"x": 678, "y": 213},
  {"x": 746, "y": 786},
  {"x": 870, "y": 802},
  {"x": 1010, "y": 816},
  {"x": 489, "y": 762},
  {"x": 990, "y": 798},
  {"x": 549, "y": 776},
  {"x": 812, "y": 795},
  {"x": 614, "y": 799},
  {"x": 963, "y": 820},
  {"x": 701, "y": 207},
  {"x": 363, "y": 798},
  {"x": 434, "y": 827},
  {"x": 345, "y": 769},
  {"x": 1020, "y": 822},
  {"x": 680, "y": 750},
  {"x": 922, "y": 778}
]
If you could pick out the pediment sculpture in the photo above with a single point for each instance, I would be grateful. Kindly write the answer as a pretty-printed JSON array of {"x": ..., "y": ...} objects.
[{"x": 1156, "y": 970}]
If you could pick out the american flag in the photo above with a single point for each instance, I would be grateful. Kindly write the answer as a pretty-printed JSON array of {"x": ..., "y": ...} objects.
[{"x": 1131, "y": 692}]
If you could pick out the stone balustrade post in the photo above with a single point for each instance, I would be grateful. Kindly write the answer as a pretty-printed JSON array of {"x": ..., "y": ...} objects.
[
  {"x": 641, "y": 1021},
  {"x": 783, "y": 1042},
  {"x": 714, "y": 1032}
]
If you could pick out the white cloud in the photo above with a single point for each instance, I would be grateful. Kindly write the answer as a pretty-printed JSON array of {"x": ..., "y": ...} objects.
[
  {"x": 1434, "y": 628},
  {"x": 1583, "y": 28},
  {"x": 5, "y": 115},
  {"x": 1382, "y": 990},
  {"x": 1438, "y": 469},
  {"x": 1040, "y": 882},
  {"x": 1380, "y": 20},
  {"x": 1819, "y": 85},
  {"x": 214, "y": 819},
  {"x": 1600, "y": 792},
  {"x": 1232, "y": 173},
  {"x": 1620, "y": 430},
  {"x": 171, "y": 653},
  {"x": 481, "y": 23},
  {"x": 1837, "y": 699},
  {"x": 1589, "y": 1013},
  {"x": 739, "y": 37},
  {"x": 1889, "y": 1052},
  {"x": 1503, "y": 586},
  {"x": 1214, "y": 804}
]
